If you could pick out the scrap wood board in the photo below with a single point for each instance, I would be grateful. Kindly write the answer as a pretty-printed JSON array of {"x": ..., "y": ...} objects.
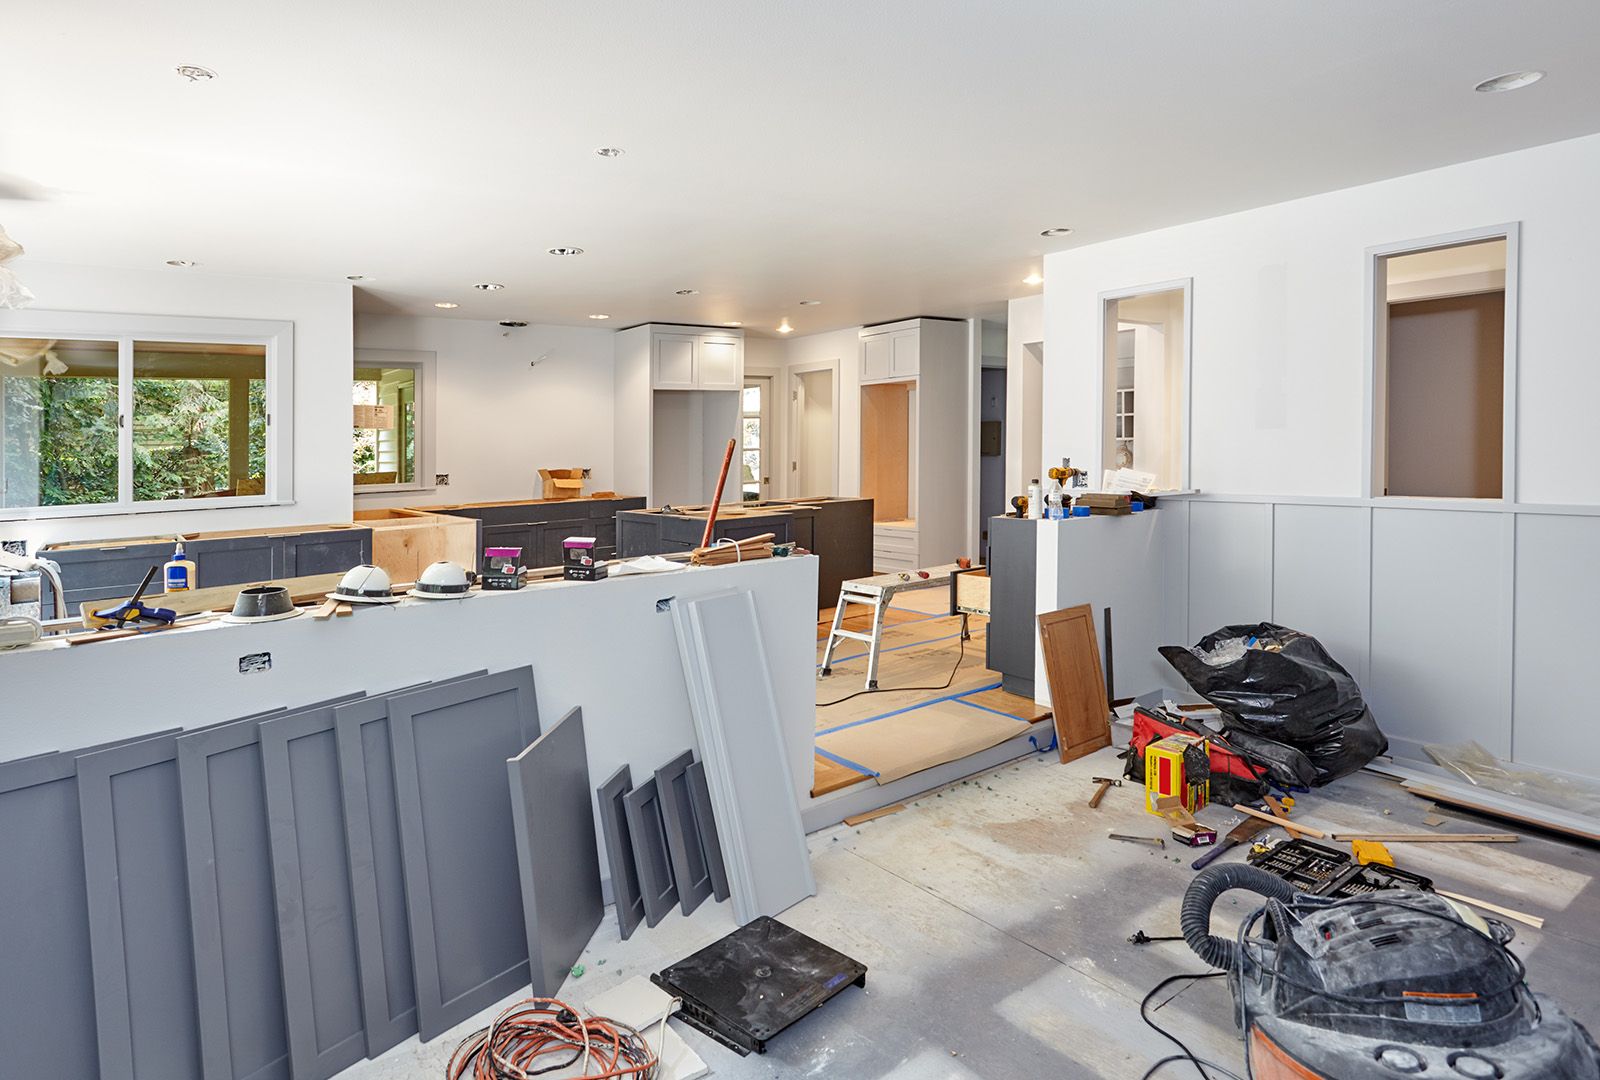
[{"x": 1077, "y": 681}]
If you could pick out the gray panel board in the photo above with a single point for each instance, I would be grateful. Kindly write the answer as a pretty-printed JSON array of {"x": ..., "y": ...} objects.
[
  {"x": 146, "y": 1015},
  {"x": 648, "y": 834},
  {"x": 46, "y": 972},
  {"x": 625, "y": 891},
  {"x": 464, "y": 899},
  {"x": 311, "y": 877},
  {"x": 741, "y": 742},
  {"x": 377, "y": 876},
  {"x": 688, "y": 856},
  {"x": 238, "y": 974},
  {"x": 705, "y": 823},
  {"x": 553, "y": 819}
]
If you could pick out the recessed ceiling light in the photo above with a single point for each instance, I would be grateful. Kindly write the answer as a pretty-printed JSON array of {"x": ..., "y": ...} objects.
[
  {"x": 735, "y": 322},
  {"x": 688, "y": 292},
  {"x": 1058, "y": 230},
  {"x": 1033, "y": 279},
  {"x": 610, "y": 151},
  {"x": 599, "y": 315},
  {"x": 195, "y": 73},
  {"x": 566, "y": 251},
  {"x": 357, "y": 277},
  {"x": 513, "y": 324},
  {"x": 810, "y": 303},
  {"x": 1511, "y": 80},
  {"x": 446, "y": 304},
  {"x": 785, "y": 328},
  {"x": 182, "y": 264},
  {"x": 489, "y": 286}
]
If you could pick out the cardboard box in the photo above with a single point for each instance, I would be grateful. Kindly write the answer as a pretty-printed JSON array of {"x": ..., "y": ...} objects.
[
  {"x": 502, "y": 568},
  {"x": 578, "y": 559}
]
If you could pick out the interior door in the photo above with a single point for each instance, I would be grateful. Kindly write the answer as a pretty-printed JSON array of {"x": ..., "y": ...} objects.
[
  {"x": 755, "y": 439},
  {"x": 815, "y": 441}
]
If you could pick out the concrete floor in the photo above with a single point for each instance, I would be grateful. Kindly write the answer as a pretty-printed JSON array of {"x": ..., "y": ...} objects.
[{"x": 993, "y": 917}]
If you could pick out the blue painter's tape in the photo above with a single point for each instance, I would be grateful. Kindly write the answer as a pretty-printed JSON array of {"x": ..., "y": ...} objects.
[
  {"x": 846, "y": 762},
  {"x": 908, "y": 708},
  {"x": 997, "y": 712}
]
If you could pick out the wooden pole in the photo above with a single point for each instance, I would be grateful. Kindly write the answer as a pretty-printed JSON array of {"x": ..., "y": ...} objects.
[{"x": 716, "y": 500}]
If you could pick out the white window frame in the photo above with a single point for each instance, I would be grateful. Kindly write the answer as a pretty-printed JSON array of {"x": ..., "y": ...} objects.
[
  {"x": 1108, "y": 341},
  {"x": 1374, "y": 470},
  {"x": 423, "y": 363},
  {"x": 278, "y": 340}
]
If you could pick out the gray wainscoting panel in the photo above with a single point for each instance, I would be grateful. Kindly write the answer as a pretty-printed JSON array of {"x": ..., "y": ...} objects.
[
  {"x": 648, "y": 833},
  {"x": 377, "y": 876},
  {"x": 1321, "y": 578},
  {"x": 464, "y": 896},
  {"x": 736, "y": 716},
  {"x": 1558, "y": 635},
  {"x": 235, "y": 920},
  {"x": 311, "y": 876},
  {"x": 1441, "y": 627},
  {"x": 553, "y": 819},
  {"x": 625, "y": 890},
  {"x": 705, "y": 823},
  {"x": 689, "y": 868},
  {"x": 46, "y": 972},
  {"x": 146, "y": 1014},
  {"x": 1230, "y": 565}
]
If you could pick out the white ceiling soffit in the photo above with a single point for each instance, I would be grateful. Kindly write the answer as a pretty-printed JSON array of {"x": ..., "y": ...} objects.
[{"x": 888, "y": 158}]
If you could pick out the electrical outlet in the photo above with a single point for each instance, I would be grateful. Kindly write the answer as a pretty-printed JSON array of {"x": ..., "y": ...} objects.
[{"x": 441, "y": 479}]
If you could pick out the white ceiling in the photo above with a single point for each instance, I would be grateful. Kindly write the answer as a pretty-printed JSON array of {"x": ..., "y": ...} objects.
[{"x": 887, "y": 158}]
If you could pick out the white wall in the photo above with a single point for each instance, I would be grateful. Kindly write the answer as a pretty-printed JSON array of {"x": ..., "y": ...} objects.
[
  {"x": 845, "y": 347},
  {"x": 1024, "y": 395},
  {"x": 322, "y": 360},
  {"x": 1279, "y": 323},
  {"x": 497, "y": 421},
  {"x": 1461, "y": 619}
]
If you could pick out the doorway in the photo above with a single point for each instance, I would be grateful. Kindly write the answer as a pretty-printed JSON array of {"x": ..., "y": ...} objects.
[
  {"x": 755, "y": 439},
  {"x": 1144, "y": 412},
  {"x": 813, "y": 459}
]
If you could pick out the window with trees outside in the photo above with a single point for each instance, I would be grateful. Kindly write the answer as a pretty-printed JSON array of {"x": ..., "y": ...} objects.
[
  {"x": 105, "y": 424},
  {"x": 385, "y": 426}
]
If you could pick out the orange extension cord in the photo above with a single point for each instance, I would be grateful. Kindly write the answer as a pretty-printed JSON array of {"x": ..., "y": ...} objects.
[{"x": 541, "y": 1035}]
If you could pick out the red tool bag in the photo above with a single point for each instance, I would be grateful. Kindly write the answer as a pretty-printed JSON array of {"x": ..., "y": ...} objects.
[{"x": 1149, "y": 728}]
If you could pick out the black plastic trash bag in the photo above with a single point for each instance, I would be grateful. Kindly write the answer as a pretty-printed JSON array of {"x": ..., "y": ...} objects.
[{"x": 1282, "y": 685}]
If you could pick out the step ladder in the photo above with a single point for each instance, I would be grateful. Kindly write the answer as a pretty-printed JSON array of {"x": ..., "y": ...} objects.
[{"x": 862, "y": 594}]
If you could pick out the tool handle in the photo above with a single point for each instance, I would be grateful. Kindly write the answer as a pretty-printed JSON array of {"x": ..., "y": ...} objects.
[
  {"x": 1094, "y": 800},
  {"x": 1211, "y": 856}
]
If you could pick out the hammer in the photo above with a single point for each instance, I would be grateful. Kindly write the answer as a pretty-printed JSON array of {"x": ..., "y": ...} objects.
[{"x": 1106, "y": 784}]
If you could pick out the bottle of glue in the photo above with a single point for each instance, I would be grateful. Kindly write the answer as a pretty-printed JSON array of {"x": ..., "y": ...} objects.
[{"x": 178, "y": 575}]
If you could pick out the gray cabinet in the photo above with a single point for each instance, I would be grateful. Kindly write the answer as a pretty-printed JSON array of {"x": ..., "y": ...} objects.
[
  {"x": 538, "y": 528},
  {"x": 112, "y": 571},
  {"x": 1009, "y": 640}
]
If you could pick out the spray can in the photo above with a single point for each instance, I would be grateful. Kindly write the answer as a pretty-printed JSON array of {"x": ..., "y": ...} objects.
[
  {"x": 1035, "y": 501},
  {"x": 178, "y": 574}
]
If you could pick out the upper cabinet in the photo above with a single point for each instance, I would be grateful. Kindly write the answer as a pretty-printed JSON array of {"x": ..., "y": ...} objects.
[
  {"x": 890, "y": 353},
  {"x": 686, "y": 360}
]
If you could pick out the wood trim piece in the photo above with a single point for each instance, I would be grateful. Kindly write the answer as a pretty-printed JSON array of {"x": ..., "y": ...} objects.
[{"x": 1077, "y": 681}]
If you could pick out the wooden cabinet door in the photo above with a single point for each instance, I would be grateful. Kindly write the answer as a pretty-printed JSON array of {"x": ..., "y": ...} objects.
[
  {"x": 875, "y": 357},
  {"x": 1077, "y": 683},
  {"x": 721, "y": 366},
  {"x": 904, "y": 349},
  {"x": 673, "y": 363}
]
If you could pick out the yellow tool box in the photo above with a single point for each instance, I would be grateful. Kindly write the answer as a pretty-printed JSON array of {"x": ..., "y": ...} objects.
[{"x": 1177, "y": 766}]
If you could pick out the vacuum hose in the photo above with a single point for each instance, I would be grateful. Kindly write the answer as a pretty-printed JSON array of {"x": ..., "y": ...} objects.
[{"x": 1202, "y": 895}]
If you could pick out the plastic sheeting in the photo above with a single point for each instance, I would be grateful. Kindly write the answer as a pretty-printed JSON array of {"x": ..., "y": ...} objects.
[{"x": 1282, "y": 685}]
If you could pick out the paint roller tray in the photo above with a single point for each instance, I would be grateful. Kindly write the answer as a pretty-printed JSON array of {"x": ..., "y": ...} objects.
[{"x": 750, "y": 985}]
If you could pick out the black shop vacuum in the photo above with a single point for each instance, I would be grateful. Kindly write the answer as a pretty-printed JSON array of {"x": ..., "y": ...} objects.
[{"x": 1392, "y": 985}]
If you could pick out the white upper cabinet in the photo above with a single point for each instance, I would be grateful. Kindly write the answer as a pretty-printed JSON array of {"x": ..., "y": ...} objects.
[
  {"x": 689, "y": 361},
  {"x": 673, "y": 361},
  {"x": 891, "y": 353},
  {"x": 904, "y": 349},
  {"x": 721, "y": 363}
]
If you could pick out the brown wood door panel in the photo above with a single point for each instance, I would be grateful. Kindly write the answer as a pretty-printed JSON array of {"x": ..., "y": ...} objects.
[{"x": 1077, "y": 683}]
